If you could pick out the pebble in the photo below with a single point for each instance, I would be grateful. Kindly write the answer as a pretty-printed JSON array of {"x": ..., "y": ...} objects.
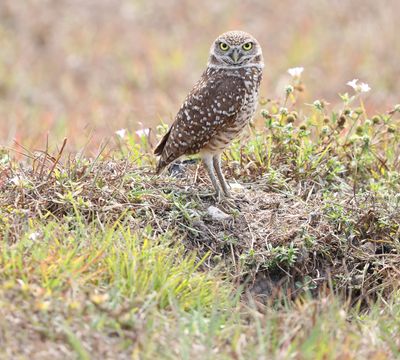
[{"x": 217, "y": 214}]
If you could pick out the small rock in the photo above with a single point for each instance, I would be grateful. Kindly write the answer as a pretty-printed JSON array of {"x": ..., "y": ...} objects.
[
  {"x": 217, "y": 214},
  {"x": 236, "y": 187}
]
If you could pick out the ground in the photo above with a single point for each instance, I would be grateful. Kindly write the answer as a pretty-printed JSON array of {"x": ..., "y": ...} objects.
[
  {"x": 103, "y": 259},
  {"x": 100, "y": 258}
]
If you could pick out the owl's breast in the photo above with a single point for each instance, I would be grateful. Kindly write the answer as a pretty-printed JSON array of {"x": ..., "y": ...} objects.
[{"x": 231, "y": 130}]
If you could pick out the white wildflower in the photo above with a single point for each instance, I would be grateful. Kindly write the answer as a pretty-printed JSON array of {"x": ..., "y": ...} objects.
[
  {"x": 34, "y": 236},
  {"x": 19, "y": 181},
  {"x": 121, "y": 133},
  {"x": 360, "y": 88},
  {"x": 296, "y": 71},
  {"x": 364, "y": 87},
  {"x": 353, "y": 83},
  {"x": 143, "y": 132}
]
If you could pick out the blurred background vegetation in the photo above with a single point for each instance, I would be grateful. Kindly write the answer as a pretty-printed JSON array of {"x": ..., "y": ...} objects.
[{"x": 84, "y": 69}]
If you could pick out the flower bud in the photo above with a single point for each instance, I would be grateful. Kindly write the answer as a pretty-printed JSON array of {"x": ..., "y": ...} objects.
[
  {"x": 283, "y": 111},
  {"x": 265, "y": 114},
  {"x": 366, "y": 139},
  {"x": 289, "y": 89},
  {"x": 354, "y": 115},
  {"x": 376, "y": 120},
  {"x": 318, "y": 104},
  {"x": 290, "y": 119}
]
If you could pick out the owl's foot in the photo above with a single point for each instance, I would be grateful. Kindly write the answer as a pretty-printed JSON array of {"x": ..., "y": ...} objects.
[{"x": 227, "y": 203}]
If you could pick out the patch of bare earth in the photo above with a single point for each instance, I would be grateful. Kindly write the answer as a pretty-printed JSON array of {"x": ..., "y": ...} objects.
[{"x": 272, "y": 241}]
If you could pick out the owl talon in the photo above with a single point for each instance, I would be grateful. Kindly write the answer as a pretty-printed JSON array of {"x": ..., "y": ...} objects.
[
  {"x": 228, "y": 204},
  {"x": 219, "y": 197}
]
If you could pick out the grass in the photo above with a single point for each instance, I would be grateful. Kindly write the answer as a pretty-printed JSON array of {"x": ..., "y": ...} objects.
[
  {"x": 134, "y": 61},
  {"x": 101, "y": 259}
]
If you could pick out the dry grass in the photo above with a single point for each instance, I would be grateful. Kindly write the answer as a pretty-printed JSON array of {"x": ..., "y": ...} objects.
[
  {"x": 99, "y": 258},
  {"x": 275, "y": 236},
  {"x": 85, "y": 69},
  {"x": 277, "y": 246}
]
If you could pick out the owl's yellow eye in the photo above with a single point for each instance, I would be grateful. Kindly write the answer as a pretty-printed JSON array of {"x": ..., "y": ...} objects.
[
  {"x": 223, "y": 46},
  {"x": 248, "y": 46}
]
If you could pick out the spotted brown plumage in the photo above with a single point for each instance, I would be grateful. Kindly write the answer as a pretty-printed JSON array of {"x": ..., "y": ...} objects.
[{"x": 219, "y": 106}]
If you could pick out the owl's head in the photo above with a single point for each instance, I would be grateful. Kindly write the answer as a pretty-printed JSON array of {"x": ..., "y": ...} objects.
[{"x": 235, "y": 49}]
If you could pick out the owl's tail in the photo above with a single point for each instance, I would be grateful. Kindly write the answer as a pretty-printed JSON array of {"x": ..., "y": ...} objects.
[{"x": 159, "y": 150}]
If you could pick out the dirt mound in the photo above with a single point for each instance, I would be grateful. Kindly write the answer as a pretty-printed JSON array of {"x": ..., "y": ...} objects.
[{"x": 272, "y": 241}]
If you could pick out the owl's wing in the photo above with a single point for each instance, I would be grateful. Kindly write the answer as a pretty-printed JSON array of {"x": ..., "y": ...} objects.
[{"x": 212, "y": 104}]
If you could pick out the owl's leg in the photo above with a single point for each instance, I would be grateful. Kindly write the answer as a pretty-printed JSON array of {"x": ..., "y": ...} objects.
[
  {"x": 217, "y": 167},
  {"x": 208, "y": 162}
]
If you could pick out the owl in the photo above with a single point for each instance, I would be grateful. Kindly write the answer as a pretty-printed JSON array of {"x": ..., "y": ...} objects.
[{"x": 218, "y": 108}]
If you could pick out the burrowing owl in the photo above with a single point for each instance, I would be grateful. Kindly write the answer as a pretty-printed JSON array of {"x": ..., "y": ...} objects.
[{"x": 219, "y": 106}]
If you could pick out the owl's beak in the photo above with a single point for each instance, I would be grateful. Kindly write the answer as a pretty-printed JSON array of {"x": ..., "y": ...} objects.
[{"x": 235, "y": 55}]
